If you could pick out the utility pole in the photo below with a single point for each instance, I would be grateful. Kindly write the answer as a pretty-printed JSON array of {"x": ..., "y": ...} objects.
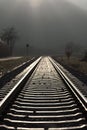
[{"x": 27, "y": 49}]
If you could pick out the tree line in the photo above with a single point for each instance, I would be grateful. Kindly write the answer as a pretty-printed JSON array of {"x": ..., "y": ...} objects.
[{"x": 9, "y": 36}]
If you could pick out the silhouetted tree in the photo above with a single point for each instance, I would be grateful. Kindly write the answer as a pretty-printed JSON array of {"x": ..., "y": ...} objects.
[
  {"x": 68, "y": 49},
  {"x": 71, "y": 48},
  {"x": 9, "y": 35},
  {"x": 4, "y": 49}
]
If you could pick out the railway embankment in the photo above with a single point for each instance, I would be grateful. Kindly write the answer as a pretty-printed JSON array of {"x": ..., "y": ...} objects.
[{"x": 75, "y": 67}]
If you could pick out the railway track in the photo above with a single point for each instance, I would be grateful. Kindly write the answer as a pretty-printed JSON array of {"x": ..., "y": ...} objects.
[
  {"x": 44, "y": 99},
  {"x": 8, "y": 81}
]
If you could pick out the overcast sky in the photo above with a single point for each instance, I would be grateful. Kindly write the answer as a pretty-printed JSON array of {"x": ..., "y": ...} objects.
[
  {"x": 80, "y": 3},
  {"x": 46, "y": 24}
]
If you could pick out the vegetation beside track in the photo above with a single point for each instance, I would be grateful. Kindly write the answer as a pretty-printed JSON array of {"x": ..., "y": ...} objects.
[
  {"x": 73, "y": 63},
  {"x": 8, "y": 65}
]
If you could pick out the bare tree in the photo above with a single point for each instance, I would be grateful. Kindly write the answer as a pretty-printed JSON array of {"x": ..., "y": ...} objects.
[
  {"x": 4, "y": 49},
  {"x": 69, "y": 49},
  {"x": 9, "y": 35},
  {"x": 72, "y": 48}
]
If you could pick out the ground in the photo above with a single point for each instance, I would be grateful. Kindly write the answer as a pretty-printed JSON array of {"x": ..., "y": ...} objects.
[
  {"x": 7, "y": 64},
  {"x": 74, "y": 63}
]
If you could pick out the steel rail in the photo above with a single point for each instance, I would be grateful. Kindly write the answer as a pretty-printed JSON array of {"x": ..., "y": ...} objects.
[
  {"x": 8, "y": 98},
  {"x": 80, "y": 97},
  {"x": 14, "y": 72}
]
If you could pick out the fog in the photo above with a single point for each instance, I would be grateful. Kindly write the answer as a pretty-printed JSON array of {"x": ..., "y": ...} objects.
[{"x": 46, "y": 25}]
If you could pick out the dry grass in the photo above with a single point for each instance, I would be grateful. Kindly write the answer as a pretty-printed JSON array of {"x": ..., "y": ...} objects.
[
  {"x": 8, "y": 65},
  {"x": 75, "y": 63}
]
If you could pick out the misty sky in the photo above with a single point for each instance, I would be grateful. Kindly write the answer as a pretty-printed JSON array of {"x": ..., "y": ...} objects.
[{"x": 45, "y": 24}]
